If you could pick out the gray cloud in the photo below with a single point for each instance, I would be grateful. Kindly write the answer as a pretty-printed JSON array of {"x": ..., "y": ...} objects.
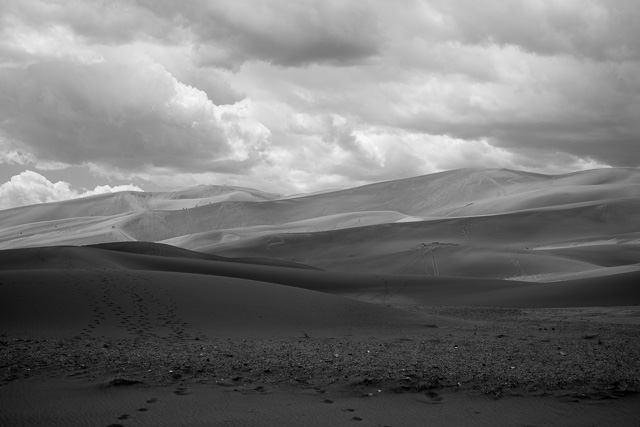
[
  {"x": 124, "y": 115},
  {"x": 285, "y": 33},
  {"x": 600, "y": 30},
  {"x": 312, "y": 93},
  {"x": 111, "y": 22},
  {"x": 227, "y": 33}
]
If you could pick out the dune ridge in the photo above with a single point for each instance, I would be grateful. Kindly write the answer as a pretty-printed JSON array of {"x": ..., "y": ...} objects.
[{"x": 489, "y": 223}]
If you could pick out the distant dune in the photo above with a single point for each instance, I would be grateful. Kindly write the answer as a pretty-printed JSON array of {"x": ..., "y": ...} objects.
[{"x": 476, "y": 223}]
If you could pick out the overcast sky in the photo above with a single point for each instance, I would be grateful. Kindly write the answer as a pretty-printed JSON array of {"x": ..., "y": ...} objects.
[{"x": 301, "y": 95}]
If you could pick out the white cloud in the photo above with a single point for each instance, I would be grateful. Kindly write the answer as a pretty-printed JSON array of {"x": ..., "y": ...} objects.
[
  {"x": 30, "y": 187},
  {"x": 17, "y": 157},
  {"x": 25, "y": 44}
]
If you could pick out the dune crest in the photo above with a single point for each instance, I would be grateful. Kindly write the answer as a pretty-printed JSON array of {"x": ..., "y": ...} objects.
[{"x": 484, "y": 223}]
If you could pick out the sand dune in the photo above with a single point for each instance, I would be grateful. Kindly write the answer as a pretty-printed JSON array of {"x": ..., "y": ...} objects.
[
  {"x": 458, "y": 260},
  {"x": 616, "y": 289},
  {"x": 124, "y": 291},
  {"x": 503, "y": 223},
  {"x": 103, "y": 205},
  {"x": 197, "y": 241},
  {"x": 452, "y": 290},
  {"x": 513, "y": 238},
  {"x": 477, "y": 223},
  {"x": 139, "y": 303}
]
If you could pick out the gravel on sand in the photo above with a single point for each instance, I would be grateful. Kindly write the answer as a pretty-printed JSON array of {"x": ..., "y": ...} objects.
[{"x": 506, "y": 351}]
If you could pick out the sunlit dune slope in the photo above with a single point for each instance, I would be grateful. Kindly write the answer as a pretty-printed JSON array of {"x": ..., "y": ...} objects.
[
  {"x": 100, "y": 218},
  {"x": 330, "y": 222},
  {"x": 500, "y": 246},
  {"x": 447, "y": 194},
  {"x": 70, "y": 231},
  {"x": 104, "y": 205}
]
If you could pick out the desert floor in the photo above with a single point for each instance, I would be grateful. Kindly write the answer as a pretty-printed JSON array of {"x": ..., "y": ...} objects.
[
  {"x": 140, "y": 347},
  {"x": 532, "y": 367}
]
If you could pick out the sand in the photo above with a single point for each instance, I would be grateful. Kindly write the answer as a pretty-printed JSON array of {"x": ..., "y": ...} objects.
[
  {"x": 73, "y": 402},
  {"x": 481, "y": 223},
  {"x": 97, "y": 336},
  {"x": 471, "y": 297}
]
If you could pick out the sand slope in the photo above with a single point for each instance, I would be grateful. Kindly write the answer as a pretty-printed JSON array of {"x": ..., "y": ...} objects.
[
  {"x": 482, "y": 223},
  {"x": 51, "y": 266},
  {"x": 149, "y": 304}
]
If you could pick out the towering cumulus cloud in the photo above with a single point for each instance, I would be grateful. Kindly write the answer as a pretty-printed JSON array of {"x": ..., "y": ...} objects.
[{"x": 30, "y": 188}]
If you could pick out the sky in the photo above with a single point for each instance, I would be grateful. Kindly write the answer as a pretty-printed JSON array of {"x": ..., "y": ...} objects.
[{"x": 301, "y": 95}]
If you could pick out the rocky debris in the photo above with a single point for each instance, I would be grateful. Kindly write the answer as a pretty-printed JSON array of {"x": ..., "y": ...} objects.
[{"x": 498, "y": 355}]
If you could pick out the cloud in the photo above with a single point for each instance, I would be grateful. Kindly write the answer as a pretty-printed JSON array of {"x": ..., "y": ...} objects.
[
  {"x": 132, "y": 115},
  {"x": 561, "y": 105},
  {"x": 224, "y": 33},
  {"x": 111, "y": 22},
  {"x": 286, "y": 33},
  {"x": 599, "y": 30},
  {"x": 17, "y": 157},
  {"x": 30, "y": 187},
  {"x": 291, "y": 96}
]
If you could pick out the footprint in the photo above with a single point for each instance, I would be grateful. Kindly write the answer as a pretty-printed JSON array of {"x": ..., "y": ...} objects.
[
  {"x": 124, "y": 417},
  {"x": 328, "y": 401},
  {"x": 152, "y": 400},
  {"x": 182, "y": 391},
  {"x": 357, "y": 419},
  {"x": 434, "y": 396}
]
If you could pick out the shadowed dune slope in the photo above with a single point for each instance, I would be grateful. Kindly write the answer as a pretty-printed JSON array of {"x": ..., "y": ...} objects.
[
  {"x": 129, "y": 304},
  {"x": 617, "y": 289},
  {"x": 163, "y": 250},
  {"x": 463, "y": 261}
]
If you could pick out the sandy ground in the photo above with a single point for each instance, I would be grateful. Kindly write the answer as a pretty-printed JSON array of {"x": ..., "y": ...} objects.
[
  {"x": 84, "y": 345},
  {"x": 505, "y": 367},
  {"x": 72, "y": 402}
]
